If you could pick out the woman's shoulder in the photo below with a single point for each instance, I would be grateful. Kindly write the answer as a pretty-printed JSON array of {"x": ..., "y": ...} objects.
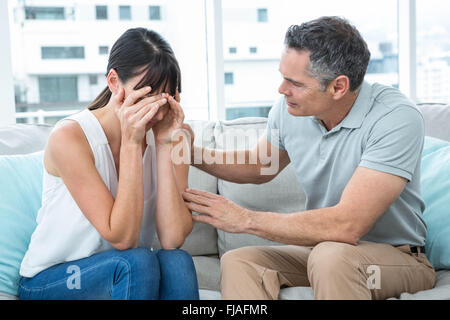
[{"x": 67, "y": 144}]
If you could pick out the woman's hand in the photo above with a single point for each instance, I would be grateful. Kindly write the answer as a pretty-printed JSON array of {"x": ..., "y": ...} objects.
[
  {"x": 165, "y": 129},
  {"x": 135, "y": 112}
]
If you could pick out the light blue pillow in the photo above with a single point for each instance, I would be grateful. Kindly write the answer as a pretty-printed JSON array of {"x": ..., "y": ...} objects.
[
  {"x": 435, "y": 185},
  {"x": 20, "y": 200},
  {"x": 432, "y": 144}
]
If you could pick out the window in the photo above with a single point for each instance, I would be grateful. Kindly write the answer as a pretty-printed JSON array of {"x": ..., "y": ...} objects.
[
  {"x": 101, "y": 12},
  {"x": 259, "y": 78},
  {"x": 263, "y": 15},
  {"x": 62, "y": 53},
  {"x": 103, "y": 50},
  {"x": 58, "y": 89},
  {"x": 44, "y": 13},
  {"x": 433, "y": 51},
  {"x": 125, "y": 12},
  {"x": 235, "y": 113},
  {"x": 50, "y": 87},
  {"x": 229, "y": 78},
  {"x": 155, "y": 13},
  {"x": 93, "y": 80},
  {"x": 232, "y": 50}
]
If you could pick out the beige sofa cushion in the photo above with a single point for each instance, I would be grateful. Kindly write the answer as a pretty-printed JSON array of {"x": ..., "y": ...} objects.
[{"x": 283, "y": 194}]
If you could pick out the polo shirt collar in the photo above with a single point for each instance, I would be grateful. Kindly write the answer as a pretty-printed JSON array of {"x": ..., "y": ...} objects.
[
  {"x": 357, "y": 114},
  {"x": 360, "y": 108}
]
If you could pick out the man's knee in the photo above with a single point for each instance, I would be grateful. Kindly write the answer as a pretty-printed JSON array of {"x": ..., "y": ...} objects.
[
  {"x": 329, "y": 259},
  {"x": 236, "y": 258}
]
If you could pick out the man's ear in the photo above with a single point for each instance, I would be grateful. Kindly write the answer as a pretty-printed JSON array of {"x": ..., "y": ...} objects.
[
  {"x": 339, "y": 87},
  {"x": 113, "y": 81}
]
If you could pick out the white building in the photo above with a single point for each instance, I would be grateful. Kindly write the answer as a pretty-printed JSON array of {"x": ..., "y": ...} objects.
[
  {"x": 253, "y": 37},
  {"x": 433, "y": 80},
  {"x": 60, "y": 48}
]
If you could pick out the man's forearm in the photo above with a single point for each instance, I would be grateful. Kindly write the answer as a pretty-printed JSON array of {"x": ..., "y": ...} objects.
[
  {"x": 233, "y": 165},
  {"x": 306, "y": 228}
]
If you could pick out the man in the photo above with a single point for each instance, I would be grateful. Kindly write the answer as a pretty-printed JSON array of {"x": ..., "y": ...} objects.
[{"x": 356, "y": 151}]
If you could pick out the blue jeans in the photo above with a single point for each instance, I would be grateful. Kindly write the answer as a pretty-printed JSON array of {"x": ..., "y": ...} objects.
[{"x": 135, "y": 274}]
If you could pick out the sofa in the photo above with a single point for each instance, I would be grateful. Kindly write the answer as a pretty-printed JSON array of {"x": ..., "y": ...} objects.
[{"x": 283, "y": 194}]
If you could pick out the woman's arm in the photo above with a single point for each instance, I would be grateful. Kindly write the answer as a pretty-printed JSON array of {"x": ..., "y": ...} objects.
[
  {"x": 173, "y": 218},
  {"x": 117, "y": 220},
  {"x": 69, "y": 156}
]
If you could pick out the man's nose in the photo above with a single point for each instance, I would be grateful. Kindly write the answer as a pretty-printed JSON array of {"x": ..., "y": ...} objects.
[{"x": 284, "y": 89}]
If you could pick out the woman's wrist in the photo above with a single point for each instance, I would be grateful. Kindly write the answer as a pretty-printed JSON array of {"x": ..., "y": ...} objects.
[
  {"x": 163, "y": 146},
  {"x": 130, "y": 146}
]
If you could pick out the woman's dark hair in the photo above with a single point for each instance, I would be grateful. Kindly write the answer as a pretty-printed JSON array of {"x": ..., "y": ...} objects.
[
  {"x": 336, "y": 48},
  {"x": 140, "y": 51}
]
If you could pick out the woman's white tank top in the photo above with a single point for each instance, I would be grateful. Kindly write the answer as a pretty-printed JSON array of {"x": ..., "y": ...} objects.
[{"x": 63, "y": 233}]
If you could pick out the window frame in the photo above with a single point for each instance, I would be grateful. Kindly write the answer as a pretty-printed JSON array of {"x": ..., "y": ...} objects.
[
  {"x": 262, "y": 18},
  {"x": 8, "y": 114},
  {"x": 150, "y": 7},
  {"x": 58, "y": 81},
  {"x": 407, "y": 46},
  {"x": 59, "y": 17},
  {"x": 64, "y": 53},
  {"x": 229, "y": 78},
  {"x": 97, "y": 7},
  {"x": 100, "y": 50},
  {"x": 128, "y": 9}
]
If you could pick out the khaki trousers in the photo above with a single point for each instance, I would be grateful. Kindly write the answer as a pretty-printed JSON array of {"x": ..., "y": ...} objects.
[{"x": 334, "y": 270}]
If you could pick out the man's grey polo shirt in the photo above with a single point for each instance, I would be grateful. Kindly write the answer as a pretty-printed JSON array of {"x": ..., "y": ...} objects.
[{"x": 383, "y": 131}]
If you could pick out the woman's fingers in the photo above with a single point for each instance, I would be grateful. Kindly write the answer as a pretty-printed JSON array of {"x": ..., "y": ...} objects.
[
  {"x": 118, "y": 98},
  {"x": 135, "y": 95},
  {"x": 177, "y": 110},
  {"x": 148, "y": 100},
  {"x": 148, "y": 116},
  {"x": 145, "y": 105}
]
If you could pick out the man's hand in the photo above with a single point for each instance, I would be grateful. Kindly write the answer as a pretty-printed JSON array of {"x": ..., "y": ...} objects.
[{"x": 217, "y": 211}]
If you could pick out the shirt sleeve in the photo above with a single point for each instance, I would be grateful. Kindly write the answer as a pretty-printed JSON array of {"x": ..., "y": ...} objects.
[
  {"x": 395, "y": 143},
  {"x": 274, "y": 125}
]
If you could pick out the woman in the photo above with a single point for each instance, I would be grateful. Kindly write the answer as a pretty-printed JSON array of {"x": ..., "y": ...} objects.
[{"x": 102, "y": 202}]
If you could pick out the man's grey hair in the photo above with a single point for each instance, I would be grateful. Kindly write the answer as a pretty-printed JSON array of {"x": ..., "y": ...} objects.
[{"x": 336, "y": 48}]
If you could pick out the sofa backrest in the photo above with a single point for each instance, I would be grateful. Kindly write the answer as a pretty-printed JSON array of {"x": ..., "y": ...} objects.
[
  {"x": 28, "y": 138},
  {"x": 23, "y": 138},
  {"x": 205, "y": 240},
  {"x": 437, "y": 120},
  {"x": 283, "y": 194}
]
